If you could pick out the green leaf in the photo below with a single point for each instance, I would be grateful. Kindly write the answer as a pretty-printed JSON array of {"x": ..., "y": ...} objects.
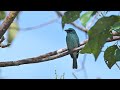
[
  {"x": 94, "y": 12},
  {"x": 98, "y": 35},
  {"x": 70, "y": 16},
  {"x": 13, "y": 29},
  {"x": 86, "y": 17},
  {"x": 117, "y": 54},
  {"x": 112, "y": 55},
  {"x": 116, "y": 27},
  {"x": 2, "y": 15}
]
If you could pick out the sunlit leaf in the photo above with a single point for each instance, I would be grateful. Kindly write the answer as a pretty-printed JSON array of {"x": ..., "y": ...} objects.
[{"x": 86, "y": 17}]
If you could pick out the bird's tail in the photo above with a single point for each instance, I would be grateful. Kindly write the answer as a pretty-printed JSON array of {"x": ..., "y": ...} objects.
[{"x": 74, "y": 63}]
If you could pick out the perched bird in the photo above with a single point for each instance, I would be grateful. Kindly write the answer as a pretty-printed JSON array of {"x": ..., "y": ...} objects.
[{"x": 72, "y": 41}]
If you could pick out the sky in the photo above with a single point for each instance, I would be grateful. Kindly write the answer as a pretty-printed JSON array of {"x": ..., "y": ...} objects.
[{"x": 32, "y": 43}]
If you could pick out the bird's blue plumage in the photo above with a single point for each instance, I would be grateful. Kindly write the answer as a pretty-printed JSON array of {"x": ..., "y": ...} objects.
[{"x": 72, "y": 41}]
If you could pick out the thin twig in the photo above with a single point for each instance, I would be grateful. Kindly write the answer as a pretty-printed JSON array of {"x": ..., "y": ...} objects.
[
  {"x": 83, "y": 66},
  {"x": 74, "y": 76},
  {"x": 117, "y": 66},
  {"x": 41, "y": 25}
]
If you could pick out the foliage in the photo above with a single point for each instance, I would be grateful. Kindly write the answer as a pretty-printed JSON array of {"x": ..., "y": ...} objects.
[{"x": 98, "y": 34}]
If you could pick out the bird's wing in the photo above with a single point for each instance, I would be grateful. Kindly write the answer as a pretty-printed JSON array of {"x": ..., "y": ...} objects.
[{"x": 72, "y": 42}]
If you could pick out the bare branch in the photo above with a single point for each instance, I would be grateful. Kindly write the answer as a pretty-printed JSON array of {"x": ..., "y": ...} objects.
[
  {"x": 7, "y": 22},
  {"x": 113, "y": 39},
  {"x": 36, "y": 59},
  {"x": 47, "y": 57}
]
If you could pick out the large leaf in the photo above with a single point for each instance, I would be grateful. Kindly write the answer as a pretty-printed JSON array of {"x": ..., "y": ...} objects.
[
  {"x": 2, "y": 15},
  {"x": 70, "y": 16},
  {"x": 112, "y": 55},
  {"x": 86, "y": 17},
  {"x": 12, "y": 32},
  {"x": 98, "y": 35}
]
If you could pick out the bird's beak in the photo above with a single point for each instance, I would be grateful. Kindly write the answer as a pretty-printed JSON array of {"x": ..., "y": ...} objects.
[{"x": 66, "y": 30}]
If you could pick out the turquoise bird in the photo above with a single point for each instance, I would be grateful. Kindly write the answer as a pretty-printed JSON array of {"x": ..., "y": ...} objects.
[{"x": 72, "y": 41}]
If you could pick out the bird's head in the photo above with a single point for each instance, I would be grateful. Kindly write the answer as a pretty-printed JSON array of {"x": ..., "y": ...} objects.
[{"x": 70, "y": 30}]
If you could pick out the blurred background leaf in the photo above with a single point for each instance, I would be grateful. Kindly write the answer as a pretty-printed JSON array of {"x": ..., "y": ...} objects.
[
  {"x": 12, "y": 32},
  {"x": 2, "y": 15}
]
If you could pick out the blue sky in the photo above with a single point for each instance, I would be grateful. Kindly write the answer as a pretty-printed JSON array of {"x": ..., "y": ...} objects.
[{"x": 32, "y": 43}]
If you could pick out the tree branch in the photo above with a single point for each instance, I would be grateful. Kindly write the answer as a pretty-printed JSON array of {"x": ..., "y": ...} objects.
[
  {"x": 49, "y": 56},
  {"x": 7, "y": 22}
]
